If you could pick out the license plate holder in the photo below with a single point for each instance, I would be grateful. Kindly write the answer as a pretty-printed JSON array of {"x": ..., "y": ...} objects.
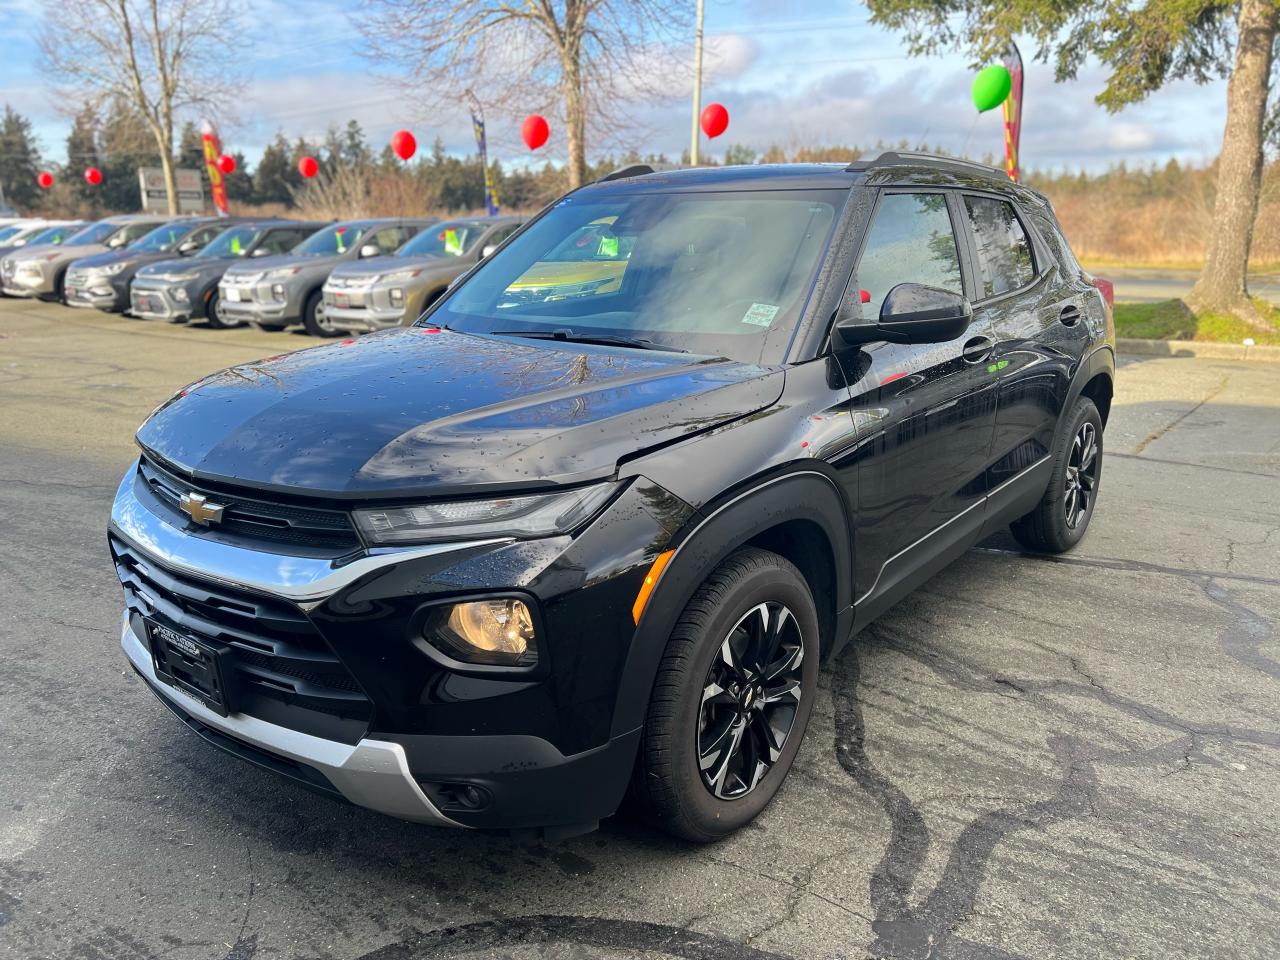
[
  {"x": 341, "y": 300},
  {"x": 144, "y": 302},
  {"x": 198, "y": 669}
]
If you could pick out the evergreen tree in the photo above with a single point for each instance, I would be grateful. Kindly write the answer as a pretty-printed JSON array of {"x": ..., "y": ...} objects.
[
  {"x": 276, "y": 173},
  {"x": 19, "y": 160}
]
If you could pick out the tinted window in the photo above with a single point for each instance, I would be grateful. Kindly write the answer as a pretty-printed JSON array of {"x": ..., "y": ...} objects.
[
  {"x": 388, "y": 239},
  {"x": 162, "y": 238},
  {"x": 710, "y": 273},
  {"x": 452, "y": 238},
  {"x": 280, "y": 241},
  {"x": 911, "y": 241},
  {"x": 1004, "y": 252},
  {"x": 333, "y": 240}
]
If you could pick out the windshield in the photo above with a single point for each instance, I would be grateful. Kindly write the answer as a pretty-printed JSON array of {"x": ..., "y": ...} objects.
[
  {"x": 162, "y": 238},
  {"x": 337, "y": 239},
  {"x": 53, "y": 234},
  {"x": 710, "y": 273},
  {"x": 452, "y": 238},
  {"x": 94, "y": 233},
  {"x": 235, "y": 242}
]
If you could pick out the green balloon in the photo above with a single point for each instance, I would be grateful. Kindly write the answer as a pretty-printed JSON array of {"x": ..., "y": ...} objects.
[{"x": 991, "y": 88}]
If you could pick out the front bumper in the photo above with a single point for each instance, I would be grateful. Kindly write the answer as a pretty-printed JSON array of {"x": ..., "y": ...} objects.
[
  {"x": 252, "y": 301},
  {"x": 97, "y": 291},
  {"x": 541, "y": 749},
  {"x": 364, "y": 309},
  {"x": 27, "y": 281},
  {"x": 373, "y": 773},
  {"x": 152, "y": 300}
]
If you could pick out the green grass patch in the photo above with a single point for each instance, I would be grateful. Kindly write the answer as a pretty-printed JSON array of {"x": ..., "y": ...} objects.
[{"x": 1171, "y": 320}]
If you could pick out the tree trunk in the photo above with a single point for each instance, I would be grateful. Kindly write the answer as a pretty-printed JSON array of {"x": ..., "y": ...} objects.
[
  {"x": 1223, "y": 285},
  {"x": 575, "y": 119},
  {"x": 170, "y": 180}
]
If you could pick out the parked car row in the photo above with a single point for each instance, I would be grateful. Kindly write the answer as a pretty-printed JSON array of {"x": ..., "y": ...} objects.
[{"x": 333, "y": 278}]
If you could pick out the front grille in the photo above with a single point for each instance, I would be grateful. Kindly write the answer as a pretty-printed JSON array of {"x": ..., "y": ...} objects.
[
  {"x": 77, "y": 278},
  {"x": 284, "y": 670},
  {"x": 255, "y": 519}
]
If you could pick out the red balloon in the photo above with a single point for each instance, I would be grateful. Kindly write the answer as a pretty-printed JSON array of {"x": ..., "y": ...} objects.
[
  {"x": 308, "y": 167},
  {"x": 45, "y": 179},
  {"x": 534, "y": 131},
  {"x": 226, "y": 164},
  {"x": 93, "y": 176},
  {"x": 403, "y": 144},
  {"x": 715, "y": 120}
]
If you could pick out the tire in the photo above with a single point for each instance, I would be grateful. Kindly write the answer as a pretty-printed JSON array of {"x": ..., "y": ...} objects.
[
  {"x": 213, "y": 318},
  {"x": 269, "y": 327},
  {"x": 670, "y": 786},
  {"x": 1060, "y": 520},
  {"x": 60, "y": 288},
  {"x": 310, "y": 320}
]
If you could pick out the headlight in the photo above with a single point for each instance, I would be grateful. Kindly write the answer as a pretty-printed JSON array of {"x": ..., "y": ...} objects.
[
  {"x": 277, "y": 291},
  {"x": 173, "y": 277},
  {"x": 115, "y": 268},
  {"x": 282, "y": 272},
  {"x": 398, "y": 276},
  {"x": 495, "y": 632},
  {"x": 537, "y": 515},
  {"x": 396, "y": 294}
]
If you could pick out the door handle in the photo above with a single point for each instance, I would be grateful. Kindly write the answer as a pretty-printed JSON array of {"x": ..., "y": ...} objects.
[
  {"x": 977, "y": 349},
  {"x": 1069, "y": 315}
]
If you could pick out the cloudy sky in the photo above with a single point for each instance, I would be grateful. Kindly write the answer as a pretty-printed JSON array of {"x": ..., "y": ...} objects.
[{"x": 789, "y": 71}]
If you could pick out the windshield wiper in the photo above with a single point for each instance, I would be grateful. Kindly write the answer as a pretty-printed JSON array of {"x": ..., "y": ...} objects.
[{"x": 566, "y": 335}]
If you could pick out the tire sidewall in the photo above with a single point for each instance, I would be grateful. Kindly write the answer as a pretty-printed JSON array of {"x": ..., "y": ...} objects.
[
  {"x": 1083, "y": 411},
  {"x": 712, "y": 815}
]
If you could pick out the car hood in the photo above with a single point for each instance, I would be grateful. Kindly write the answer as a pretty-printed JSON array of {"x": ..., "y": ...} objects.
[
  {"x": 391, "y": 264},
  {"x": 201, "y": 265},
  {"x": 263, "y": 264},
  {"x": 115, "y": 256},
  {"x": 65, "y": 252},
  {"x": 414, "y": 412}
]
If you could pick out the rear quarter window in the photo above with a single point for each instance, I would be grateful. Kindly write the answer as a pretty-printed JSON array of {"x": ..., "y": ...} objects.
[{"x": 1005, "y": 258}]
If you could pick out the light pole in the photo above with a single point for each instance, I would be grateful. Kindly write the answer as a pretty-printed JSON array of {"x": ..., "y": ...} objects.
[{"x": 697, "y": 87}]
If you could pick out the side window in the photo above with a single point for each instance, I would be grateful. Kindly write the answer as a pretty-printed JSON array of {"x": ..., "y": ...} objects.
[
  {"x": 390, "y": 239},
  {"x": 202, "y": 237},
  {"x": 1005, "y": 261},
  {"x": 911, "y": 241},
  {"x": 279, "y": 241}
]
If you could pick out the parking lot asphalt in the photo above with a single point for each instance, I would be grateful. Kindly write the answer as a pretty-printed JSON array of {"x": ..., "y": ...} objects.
[{"x": 1036, "y": 758}]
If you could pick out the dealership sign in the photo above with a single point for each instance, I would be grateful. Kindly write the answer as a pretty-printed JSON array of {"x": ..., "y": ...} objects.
[{"x": 190, "y": 190}]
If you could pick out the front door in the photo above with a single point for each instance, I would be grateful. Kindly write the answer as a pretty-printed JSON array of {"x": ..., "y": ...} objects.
[{"x": 923, "y": 413}]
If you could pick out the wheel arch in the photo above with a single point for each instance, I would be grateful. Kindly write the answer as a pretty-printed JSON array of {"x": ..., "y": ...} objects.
[{"x": 801, "y": 515}]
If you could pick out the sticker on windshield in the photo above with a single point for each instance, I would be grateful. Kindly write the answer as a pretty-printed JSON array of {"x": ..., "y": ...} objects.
[{"x": 760, "y": 314}]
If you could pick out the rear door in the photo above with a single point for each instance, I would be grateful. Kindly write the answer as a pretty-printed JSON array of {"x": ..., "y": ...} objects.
[
  {"x": 1034, "y": 316},
  {"x": 924, "y": 412}
]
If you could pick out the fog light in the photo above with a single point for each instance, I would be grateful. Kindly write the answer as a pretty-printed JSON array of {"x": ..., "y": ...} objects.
[
  {"x": 277, "y": 291},
  {"x": 495, "y": 632},
  {"x": 397, "y": 297},
  {"x": 180, "y": 294}
]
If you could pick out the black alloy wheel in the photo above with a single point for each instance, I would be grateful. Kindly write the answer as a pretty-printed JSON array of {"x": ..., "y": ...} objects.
[
  {"x": 750, "y": 700},
  {"x": 1082, "y": 475}
]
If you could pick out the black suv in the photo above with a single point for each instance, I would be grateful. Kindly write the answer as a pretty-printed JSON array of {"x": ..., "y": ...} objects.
[{"x": 495, "y": 568}]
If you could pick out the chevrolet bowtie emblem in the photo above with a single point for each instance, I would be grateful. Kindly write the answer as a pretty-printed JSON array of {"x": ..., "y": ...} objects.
[{"x": 198, "y": 507}]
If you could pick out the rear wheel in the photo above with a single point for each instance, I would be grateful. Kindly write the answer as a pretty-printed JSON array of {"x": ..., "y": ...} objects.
[
  {"x": 731, "y": 700},
  {"x": 1059, "y": 521},
  {"x": 313, "y": 317}
]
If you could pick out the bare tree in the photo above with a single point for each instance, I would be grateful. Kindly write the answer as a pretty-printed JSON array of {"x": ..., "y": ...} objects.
[
  {"x": 164, "y": 57},
  {"x": 520, "y": 56}
]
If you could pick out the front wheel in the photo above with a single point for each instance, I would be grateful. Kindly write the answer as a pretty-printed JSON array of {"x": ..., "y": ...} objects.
[
  {"x": 313, "y": 317},
  {"x": 731, "y": 700},
  {"x": 1060, "y": 520},
  {"x": 215, "y": 316}
]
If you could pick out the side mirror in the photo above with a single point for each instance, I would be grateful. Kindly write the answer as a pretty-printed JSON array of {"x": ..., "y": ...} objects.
[
  {"x": 187, "y": 247},
  {"x": 488, "y": 250},
  {"x": 116, "y": 241},
  {"x": 370, "y": 250},
  {"x": 260, "y": 252},
  {"x": 911, "y": 313}
]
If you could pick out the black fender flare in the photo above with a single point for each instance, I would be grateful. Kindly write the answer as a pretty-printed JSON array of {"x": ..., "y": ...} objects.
[
  {"x": 712, "y": 534},
  {"x": 1100, "y": 360}
]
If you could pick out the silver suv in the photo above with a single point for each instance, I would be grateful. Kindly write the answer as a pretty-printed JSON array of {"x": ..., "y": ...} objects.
[
  {"x": 276, "y": 292},
  {"x": 393, "y": 291},
  {"x": 40, "y": 270}
]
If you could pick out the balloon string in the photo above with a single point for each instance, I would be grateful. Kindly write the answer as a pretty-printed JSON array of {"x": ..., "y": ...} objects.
[{"x": 965, "y": 147}]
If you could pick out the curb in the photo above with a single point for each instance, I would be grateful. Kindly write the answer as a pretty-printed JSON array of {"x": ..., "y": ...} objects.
[{"x": 1195, "y": 348}]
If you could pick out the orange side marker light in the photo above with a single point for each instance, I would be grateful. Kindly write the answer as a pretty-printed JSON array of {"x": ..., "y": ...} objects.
[{"x": 650, "y": 581}]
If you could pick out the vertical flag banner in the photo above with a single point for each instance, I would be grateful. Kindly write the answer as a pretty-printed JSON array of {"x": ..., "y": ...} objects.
[
  {"x": 490, "y": 191},
  {"x": 1013, "y": 112},
  {"x": 212, "y": 149}
]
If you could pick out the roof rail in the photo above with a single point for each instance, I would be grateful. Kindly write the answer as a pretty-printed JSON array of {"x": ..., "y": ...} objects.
[
  {"x": 901, "y": 158},
  {"x": 622, "y": 173}
]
